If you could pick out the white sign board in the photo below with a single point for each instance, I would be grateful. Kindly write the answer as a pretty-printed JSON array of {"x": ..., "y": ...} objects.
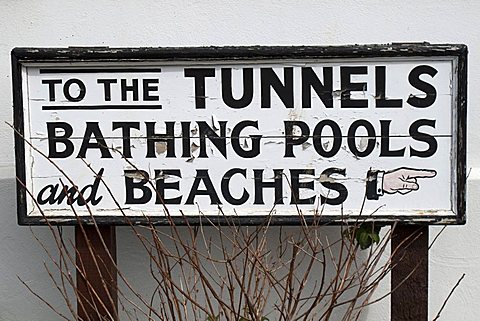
[{"x": 330, "y": 136}]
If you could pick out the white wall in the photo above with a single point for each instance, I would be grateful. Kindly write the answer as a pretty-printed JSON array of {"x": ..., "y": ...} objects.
[{"x": 199, "y": 23}]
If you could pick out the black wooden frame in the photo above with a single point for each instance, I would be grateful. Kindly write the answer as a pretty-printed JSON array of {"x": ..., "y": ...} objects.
[{"x": 21, "y": 56}]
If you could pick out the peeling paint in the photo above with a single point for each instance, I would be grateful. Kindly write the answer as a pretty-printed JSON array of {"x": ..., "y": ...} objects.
[
  {"x": 325, "y": 145},
  {"x": 160, "y": 147},
  {"x": 337, "y": 94},
  {"x": 194, "y": 147},
  {"x": 291, "y": 56},
  {"x": 215, "y": 123},
  {"x": 135, "y": 175},
  {"x": 362, "y": 143}
]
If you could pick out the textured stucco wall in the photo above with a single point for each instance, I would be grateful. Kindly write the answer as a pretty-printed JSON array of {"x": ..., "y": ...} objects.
[{"x": 194, "y": 23}]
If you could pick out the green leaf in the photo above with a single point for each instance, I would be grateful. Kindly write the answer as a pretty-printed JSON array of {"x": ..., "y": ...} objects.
[
  {"x": 363, "y": 239},
  {"x": 375, "y": 237},
  {"x": 366, "y": 234}
]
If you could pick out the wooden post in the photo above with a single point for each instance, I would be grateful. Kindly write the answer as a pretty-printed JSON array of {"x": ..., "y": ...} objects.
[
  {"x": 96, "y": 274},
  {"x": 409, "y": 282}
]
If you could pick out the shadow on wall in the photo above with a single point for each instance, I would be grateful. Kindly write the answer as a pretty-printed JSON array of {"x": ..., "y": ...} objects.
[
  {"x": 22, "y": 256},
  {"x": 136, "y": 265}
]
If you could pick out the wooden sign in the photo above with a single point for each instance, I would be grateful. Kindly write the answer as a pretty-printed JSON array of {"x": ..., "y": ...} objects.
[{"x": 291, "y": 134}]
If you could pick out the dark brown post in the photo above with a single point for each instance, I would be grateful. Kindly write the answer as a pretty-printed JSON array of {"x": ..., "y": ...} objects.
[
  {"x": 409, "y": 301},
  {"x": 96, "y": 274}
]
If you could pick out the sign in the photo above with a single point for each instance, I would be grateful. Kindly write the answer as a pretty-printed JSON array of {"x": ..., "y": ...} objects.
[{"x": 289, "y": 134}]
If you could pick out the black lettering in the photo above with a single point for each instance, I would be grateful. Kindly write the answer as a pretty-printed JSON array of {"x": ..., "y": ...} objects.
[
  {"x": 227, "y": 92},
  {"x": 51, "y": 191},
  {"x": 107, "y": 87},
  {"x": 83, "y": 199},
  {"x": 150, "y": 85},
  {"x": 380, "y": 90},
  {"x": 338, "y": 187},
  {"x": 237, "y": 133},
  {"x": 199, "y": 75},
  {"x": 100, "y": 144},
  {"x": 423, "y": 137},
  {"x": 51, "y": 87},
  {"x": 53, "y": 140},
  {"x": 324, "y": 91},
  {"x": 220, "y": 141},
  {"x": 186, "y": 139},
  {"x": 161, "y": 186},
  {"x": 297, "y": 185},
  {"x": 317, "y": 138},
  {"x": 428, "y": 89},
  {"x": 203, "y": 176},
  {"x": 352, "y": 132},
  {"x": 168, "y": 138},
  {"x": 126, "y": 136},
  {"x": 385, "y": 141},
  {"x": 290, "y": 139},
  {"x": 226, "y": 187},
  {"x": 136, "y": 180},
  {"x": 347, "y": 86},
  {"x": 71, "y": 193},
  {"x": 82, "y": 90},
  {"x": 260, "y": 184},
  {"x": 125, "y": 89},
  {"x": 269, "y": 79},
  {"x": 351, "y": 139},
  {"x": 68, "y": 193}
]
